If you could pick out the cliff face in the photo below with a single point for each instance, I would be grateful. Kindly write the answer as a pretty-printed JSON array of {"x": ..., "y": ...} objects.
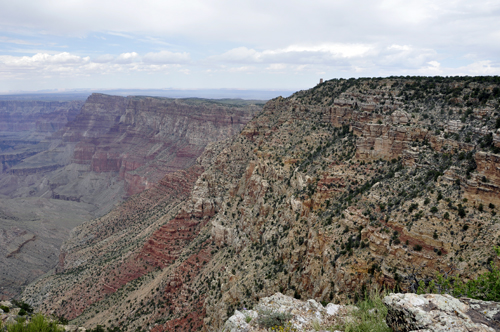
[
  {"x": 143, "y": 138},
  {"x": 24, "y": 125},
  {"x": 115, "y": 147},
  {"x": 334, "y": 189},
  {"x": 36, "y": 117}
]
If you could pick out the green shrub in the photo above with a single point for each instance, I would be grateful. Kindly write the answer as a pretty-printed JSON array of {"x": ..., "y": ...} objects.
[
  {"x": 98, "y": 328},
  {"x": 370, "y": 317},
  {"x": 5, "y": 308},
  {"x": 63, "y": 320},
  {"x": 461, "y": 211},
  {"x": 486, "y": 287},
  {"x": 24, "y": 306},
  {"x": 288, "y": 327},
  {"x": 38, "y": 323},
  {"x": 270, "y": 318},
  {"x": 412, "y": 207}
]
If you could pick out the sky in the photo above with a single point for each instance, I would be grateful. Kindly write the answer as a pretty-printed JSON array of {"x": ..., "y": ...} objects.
[{"x": 240, "y": 44}]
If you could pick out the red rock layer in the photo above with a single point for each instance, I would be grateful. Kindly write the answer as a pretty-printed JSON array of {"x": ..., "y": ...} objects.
[{"x": 143, "y": 138}]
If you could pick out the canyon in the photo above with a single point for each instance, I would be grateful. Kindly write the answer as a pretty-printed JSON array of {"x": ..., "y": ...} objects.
[
  {"x": 322, "y": 195},
  {"x": 67, "y": 162}
]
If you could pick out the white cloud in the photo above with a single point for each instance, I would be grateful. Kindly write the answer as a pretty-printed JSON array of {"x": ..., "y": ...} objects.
[
  {"x": 105, "y": 58},
  {"x": 126, "y": 58},
  {"x": 277, "y": 67},
  {"x": 239, "y": 55},
  {"x": 404, "y": 57},
  {"x": 294, "y": 54},
  {"x": 433, "y": 68},
  {"x": 281, "y": 38},
  {"x": 485, "y": 67},
  {"x": 242, "y": 69},
  {"x": 166, "y": 57},
  {"x": 64, "y": 65},
  {"x": 43, "y": 59},
  {"x": 265, "y": 24}
]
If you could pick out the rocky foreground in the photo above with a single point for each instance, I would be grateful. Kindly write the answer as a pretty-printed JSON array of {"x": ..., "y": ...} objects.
[
  {"x": 405, "y": 313},
  {"x": 323, "y": 195}
]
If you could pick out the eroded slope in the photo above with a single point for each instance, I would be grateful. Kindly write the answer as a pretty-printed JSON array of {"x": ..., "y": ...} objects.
[
  {"x": 322, "y": 195},
  {"x": 113, "y": 148}
]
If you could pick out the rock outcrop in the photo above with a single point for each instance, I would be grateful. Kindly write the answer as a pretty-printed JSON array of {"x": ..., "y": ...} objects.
[
  {"x": 143, "y": 138},
  {"x": 304, "y": 316},
  {"x": 439, "y": 313},
  {"x": 10, "y": 314}
]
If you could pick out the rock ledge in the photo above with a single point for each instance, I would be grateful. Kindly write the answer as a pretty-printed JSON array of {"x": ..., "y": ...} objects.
[{"x": 437, "y": 313}]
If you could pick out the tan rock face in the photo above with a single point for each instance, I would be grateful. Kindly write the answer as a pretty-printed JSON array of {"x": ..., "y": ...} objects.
[
  {"x": 484, "y": 187},
  {"x": 299, "y": 203}
]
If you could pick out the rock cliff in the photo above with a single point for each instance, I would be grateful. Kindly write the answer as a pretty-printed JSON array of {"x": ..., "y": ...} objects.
[
  {"x": 24, "y": 125},
  {"x": 322, "y": 195},
  {"x": 110, "y": 149}
]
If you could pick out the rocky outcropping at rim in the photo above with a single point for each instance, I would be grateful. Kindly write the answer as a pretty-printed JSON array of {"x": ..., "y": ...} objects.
[
  {"x": 440, "y": 313},
  {"x": 405, "y": 313},
  {"x": 305, "y": 316}
]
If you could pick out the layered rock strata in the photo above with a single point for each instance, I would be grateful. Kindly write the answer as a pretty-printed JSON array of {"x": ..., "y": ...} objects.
[
  {"x": 324, "y": 194},
  {"x": 114, "y": 148}
]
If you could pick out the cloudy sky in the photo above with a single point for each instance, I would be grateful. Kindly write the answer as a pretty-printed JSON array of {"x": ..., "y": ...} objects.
[{"x": 241, "y": 44}]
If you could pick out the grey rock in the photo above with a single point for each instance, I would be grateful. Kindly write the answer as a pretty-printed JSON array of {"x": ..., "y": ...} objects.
[
  {"x": 72, "y": 328},
  {"x": 304, "y": 313},
  {"x": 238, "y": 321},
  {"x": 439, "y": 313},
  {"x": 6, "y": 303}
]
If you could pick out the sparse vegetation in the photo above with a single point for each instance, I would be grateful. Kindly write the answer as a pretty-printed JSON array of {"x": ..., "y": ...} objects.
[
  {"x": 485, "y": 287},
  {"x": 37, "y": 323},
  {"x": 269, "y": 318},
  {"x": 307, "y": 192},
  {"x": 370, "y": 316}
]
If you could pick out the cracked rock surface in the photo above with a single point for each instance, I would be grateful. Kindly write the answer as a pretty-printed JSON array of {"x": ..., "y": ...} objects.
[
  {"x": 304, "y": 314},
  {"x": 434, "y": 312}
]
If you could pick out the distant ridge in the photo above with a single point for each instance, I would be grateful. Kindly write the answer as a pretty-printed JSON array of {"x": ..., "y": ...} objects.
[{"x": 170, "y": 93}]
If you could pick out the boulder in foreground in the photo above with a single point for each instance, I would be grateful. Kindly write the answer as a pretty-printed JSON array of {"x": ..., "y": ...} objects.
[
  {"x": 284, "y": 310},
  {"x": 436, "y": 313}
]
